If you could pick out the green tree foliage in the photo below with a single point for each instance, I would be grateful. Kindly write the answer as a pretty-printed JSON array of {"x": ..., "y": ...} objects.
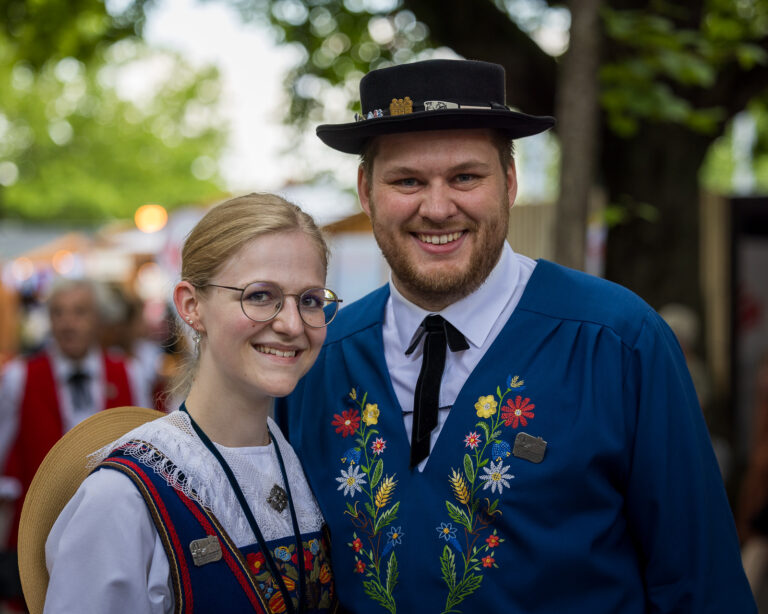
[{"x": 71, "y": 148}]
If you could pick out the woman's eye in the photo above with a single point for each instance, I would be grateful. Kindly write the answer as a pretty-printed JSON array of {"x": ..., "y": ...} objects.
[
  {"x": 312, "y": 301},
  {"x": 261, "y": 296}
]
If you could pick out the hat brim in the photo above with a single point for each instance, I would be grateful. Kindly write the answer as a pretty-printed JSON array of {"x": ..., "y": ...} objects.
[
  {"x": 58, "y": 477},
  {"x": 352, "y": 137}
]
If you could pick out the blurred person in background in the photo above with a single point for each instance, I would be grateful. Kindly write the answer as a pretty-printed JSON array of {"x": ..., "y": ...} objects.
[{"x": 45, "y": 394}]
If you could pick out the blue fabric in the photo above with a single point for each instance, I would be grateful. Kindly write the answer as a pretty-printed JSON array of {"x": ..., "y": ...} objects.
[{"x": 626, "y": 512}]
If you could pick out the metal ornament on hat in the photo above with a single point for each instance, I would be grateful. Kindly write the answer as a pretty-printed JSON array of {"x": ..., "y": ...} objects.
[{"x": 401, "y": 106}]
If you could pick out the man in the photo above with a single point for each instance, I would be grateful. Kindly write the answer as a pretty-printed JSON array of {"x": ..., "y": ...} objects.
[
  {"x": 563, "y": 464},
  {"x": 45, "y": 395}
]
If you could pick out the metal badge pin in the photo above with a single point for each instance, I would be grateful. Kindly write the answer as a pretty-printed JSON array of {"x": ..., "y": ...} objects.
[
  {"x": 205, "y": 550},
  {"x": 401, "y": 106},
  {"x": 277, "y": 499},
  {"x": 439, "y": 105},
  {"x": 529, "y": 448}
]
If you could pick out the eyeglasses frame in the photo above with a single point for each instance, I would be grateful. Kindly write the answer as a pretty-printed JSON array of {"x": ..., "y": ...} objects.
[{"x": 336, "y": 300}]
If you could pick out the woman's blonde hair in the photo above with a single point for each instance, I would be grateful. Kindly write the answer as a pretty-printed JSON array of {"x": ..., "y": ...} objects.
[{"x": 220, "y": 234}]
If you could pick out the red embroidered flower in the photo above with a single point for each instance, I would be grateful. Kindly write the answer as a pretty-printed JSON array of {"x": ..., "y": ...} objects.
[
  {"x": 488, "y": 561},
  {"x": 378, "y": 446},
  {"x": 307, "y": 559},
  {"x": 492, "y": 541},
  {"x": 256, "y": 560},
  {"x": 472, "y": 440},
  {"x": 359, "y": 566},
  {"x": 347, "y": 423},
  {"x": 516, "y": 413},
  {"x": 357, "y": 545}
]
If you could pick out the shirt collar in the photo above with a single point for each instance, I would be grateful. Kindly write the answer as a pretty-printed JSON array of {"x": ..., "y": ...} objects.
[
  {"x": 473, "y": 315},
  {"x": 63, "y": 366}
]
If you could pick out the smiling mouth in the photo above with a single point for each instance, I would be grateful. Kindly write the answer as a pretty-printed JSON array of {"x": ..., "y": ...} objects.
[
  {"x": 275, "y": 352},
  {"x": 440, "y": 239}
]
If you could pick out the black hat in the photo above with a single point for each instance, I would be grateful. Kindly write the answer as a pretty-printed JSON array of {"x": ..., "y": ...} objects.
[{"x": 431, "y": 95}]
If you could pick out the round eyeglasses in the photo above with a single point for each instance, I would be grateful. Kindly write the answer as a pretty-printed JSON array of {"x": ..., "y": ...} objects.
[{"x": 261, "y": 301}]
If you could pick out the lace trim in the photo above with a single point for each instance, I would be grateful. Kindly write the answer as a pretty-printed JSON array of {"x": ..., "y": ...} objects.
[{"x": 189, "y": 467}]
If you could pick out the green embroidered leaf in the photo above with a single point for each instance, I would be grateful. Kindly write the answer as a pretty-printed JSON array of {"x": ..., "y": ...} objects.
[
  {"x": 498, "y": 392},
  {"x": 377, "y": 473},
  {"x": 493, "y": 506},
  {"x": 376, "y": 592},
  {"x": 369, "y": 509},
  {"x": 448, "y": 566},
  {"x": 482, "y": 463},
  {"x": 386, "y": 518},
  {"x": 364, "y": 468},
  {"x": 391, "y": 573},
  {"x": 484, "y": 426},
  {"x": 458, "y": 515},
  {"x": 463, "y": 590},
  {"x": 351, "y": 509},
  {"x": 469, "y": 469},
  {"x": 494, "y": 436},
  {"x": 362, "y": 403}
]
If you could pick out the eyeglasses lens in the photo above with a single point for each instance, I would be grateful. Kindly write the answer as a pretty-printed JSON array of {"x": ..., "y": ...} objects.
[{"x": 262, "y": 301}]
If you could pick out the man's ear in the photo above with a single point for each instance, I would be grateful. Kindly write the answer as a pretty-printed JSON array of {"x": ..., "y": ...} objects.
[
  {"x": 363, "y": 190},
  {"x": 511, "y": 182}
]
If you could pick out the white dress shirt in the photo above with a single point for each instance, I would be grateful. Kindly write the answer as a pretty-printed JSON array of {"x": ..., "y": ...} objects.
[{"x": 479, "y": 317}]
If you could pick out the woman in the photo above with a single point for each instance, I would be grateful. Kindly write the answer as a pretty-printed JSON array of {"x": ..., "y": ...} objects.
[{"x": 208, "y": 506}]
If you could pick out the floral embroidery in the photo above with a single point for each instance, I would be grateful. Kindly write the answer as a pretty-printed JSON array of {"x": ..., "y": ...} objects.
[
  {"x": 472, "y": 440},
  {"x": 371, "y": 414},
  {"x": 351, "y": 480},
  {"x": 496, "y": 477},
  {"x": 468, "y": 553},
  {"x": 374, "y": 513},
  {"x": 347, "y": 423},
  {"x": 516, "y": 413},
  {"x": 316, "y": 567},
  {"x": 378, "y": 446},
  {"x": 486, "y": 406}
]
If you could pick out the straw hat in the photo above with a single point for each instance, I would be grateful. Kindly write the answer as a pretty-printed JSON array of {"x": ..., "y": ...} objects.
[
  {"x": 58, "y": 477},
  {"x": 432, "y": 95}
]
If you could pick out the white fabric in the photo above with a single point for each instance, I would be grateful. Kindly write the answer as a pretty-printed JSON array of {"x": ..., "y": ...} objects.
[
  {"x": 479, "y": 317},
  {"x": 103, "y": 553}
]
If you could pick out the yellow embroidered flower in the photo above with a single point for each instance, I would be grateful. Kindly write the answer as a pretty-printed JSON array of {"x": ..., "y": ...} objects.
[
  {"x": 486, "y": 406},
  {"x": 371, "y": 414}
]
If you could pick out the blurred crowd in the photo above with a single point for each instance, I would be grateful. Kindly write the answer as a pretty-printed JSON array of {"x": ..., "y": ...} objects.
[{"x": 97, "y": 351}]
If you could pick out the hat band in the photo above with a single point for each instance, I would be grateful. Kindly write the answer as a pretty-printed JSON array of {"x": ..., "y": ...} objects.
[{"x": 405, "y": 106}]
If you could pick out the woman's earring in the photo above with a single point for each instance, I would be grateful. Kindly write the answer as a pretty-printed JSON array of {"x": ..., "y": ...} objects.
[{"x": 196, "y": 338}]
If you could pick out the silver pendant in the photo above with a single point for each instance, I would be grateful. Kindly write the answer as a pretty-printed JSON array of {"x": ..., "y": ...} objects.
[
  {"x": 205, "y": 550},
  {"x": 277, "y": 498}
]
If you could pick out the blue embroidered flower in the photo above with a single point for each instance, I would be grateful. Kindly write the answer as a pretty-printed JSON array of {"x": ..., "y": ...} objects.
[
  {"x": 282, "y": 553},
  {"x": 351, "y": 456},
  {"x": 314, "y": 546},
  {"x": 500, "y": 450},
  {"x": 395, "y": 535},
  {"x": 351, "y": 480},
  {"x": 446, "y": 531}
]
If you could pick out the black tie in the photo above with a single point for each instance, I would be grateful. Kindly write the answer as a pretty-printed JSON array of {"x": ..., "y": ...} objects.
[
  {"x": 436, "y": 330},
  {"x": 80, "y": 390}
]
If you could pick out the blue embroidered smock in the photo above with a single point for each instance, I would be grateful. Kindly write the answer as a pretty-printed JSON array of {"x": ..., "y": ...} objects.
[{"x": 573, "y": 474}]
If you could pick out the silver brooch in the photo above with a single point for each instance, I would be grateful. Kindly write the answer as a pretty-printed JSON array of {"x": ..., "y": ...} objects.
[{"x": 277, "y": 499}]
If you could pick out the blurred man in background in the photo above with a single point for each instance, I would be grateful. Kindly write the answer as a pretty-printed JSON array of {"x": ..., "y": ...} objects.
[{"x": 44, "y": 395}]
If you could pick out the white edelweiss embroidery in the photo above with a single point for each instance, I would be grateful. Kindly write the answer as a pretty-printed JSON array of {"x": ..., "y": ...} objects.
[
  {"x": 351, "y": 480},
  {"x": 495, "y": 477}
]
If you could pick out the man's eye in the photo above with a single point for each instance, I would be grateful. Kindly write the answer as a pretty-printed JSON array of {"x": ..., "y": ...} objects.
[
  {"x": 408, "y": 182},
  {"x": 464, "y": 177}
]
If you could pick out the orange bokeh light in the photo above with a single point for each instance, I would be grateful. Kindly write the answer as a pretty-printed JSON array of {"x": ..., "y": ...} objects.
[{"x": 150, "y": 218}]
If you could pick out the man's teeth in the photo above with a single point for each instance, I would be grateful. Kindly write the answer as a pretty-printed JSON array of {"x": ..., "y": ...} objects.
[
  {"x": 269, "y": 350},
  {"x": 439, "y": 239}
]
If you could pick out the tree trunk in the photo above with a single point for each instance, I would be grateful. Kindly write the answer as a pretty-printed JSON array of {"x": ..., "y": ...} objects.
[
  {"x": 654, "y": 250},
  {"x": 577, "y": 113}
]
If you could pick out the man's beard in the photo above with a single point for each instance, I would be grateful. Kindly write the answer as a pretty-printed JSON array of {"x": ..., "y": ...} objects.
[{"x": 446, "y": 286}]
